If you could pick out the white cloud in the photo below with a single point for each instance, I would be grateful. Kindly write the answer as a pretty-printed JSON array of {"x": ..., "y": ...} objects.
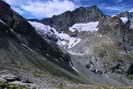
[
  {"x": 49, "y": 8},
  {"x": 10, "y": 1},
  {"x": 41, "y": 9},
  {"x": 15, "y": 2},
  {"x": 113, "y": 8}
]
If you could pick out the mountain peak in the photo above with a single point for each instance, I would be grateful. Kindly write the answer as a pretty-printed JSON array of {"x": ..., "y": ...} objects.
[
  {"x": 89, "y": 7},
  {"x": 79, "y": 15},
  {"x": 94, "y": 6}
]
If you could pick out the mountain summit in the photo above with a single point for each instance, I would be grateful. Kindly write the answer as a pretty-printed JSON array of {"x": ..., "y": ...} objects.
[{"x": 69, "y": 18}]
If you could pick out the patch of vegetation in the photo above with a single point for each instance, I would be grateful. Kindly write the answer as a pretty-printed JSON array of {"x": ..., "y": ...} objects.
[
  {"x": 39, "y": 73},
  {"x": 61, "y": 86},
  {"x": 130, "y": 77},
  {"x": 129, "y": 56},
  {"x": 6, "y": 85}
]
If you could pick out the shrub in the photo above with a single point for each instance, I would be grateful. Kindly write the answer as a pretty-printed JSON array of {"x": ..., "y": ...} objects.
[{"x": 6, "y": 85}]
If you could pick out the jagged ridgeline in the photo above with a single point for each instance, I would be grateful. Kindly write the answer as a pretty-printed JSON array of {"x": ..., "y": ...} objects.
[{"x": 80, "y": 46}]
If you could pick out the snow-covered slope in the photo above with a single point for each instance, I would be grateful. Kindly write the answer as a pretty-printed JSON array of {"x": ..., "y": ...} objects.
[
  {"x": 67, "y": 41},
  {"x": 124, "y": 19},
  {"x": 63, "y": 39},
  {"x": 42, "y": 29},
  {"x": 89, "y": 27}
]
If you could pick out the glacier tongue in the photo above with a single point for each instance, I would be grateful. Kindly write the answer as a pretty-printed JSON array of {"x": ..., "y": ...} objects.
[
  {"x": 63, "y": 39},
  {"x": 88, "y": 27}
]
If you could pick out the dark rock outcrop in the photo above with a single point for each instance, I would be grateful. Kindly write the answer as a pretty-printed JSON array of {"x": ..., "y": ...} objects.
[{"x": 130, "y": 70}]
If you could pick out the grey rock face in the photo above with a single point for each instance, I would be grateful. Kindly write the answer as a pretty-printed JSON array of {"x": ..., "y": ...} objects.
[
  {"x": 64, "y": 21},
  {"x": 114, "y": 28}
]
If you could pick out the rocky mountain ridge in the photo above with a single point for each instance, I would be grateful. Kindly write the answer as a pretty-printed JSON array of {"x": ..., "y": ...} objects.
[{"x": 79, "y": 15}]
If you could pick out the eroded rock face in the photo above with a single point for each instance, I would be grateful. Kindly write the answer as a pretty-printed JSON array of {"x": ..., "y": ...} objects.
[{"x": 116, "y": 29}]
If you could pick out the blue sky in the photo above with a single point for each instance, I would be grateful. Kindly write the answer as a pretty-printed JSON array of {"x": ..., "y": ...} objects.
[{"x": 47, "y": 8}]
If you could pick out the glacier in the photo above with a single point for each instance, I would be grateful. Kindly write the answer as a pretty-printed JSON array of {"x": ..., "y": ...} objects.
[
  {"x": 88, "y": 27},
  {"x": 63, "y": 39}
]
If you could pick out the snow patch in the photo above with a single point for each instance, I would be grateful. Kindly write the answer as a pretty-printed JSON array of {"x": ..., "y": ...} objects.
[
  {"x": 124, "y": 19},
  {"x": 75, "y": 69},
  {"x": 89, "y": 27},
  {"x": 41, "y": 28},
  {"x": 63, "y": 39},
  {"x": 66, "y": 39},
  {"x": 2, "y": 21},
  {"x": 73, "y": 41},
  {"x": 113, "y": 15}
]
